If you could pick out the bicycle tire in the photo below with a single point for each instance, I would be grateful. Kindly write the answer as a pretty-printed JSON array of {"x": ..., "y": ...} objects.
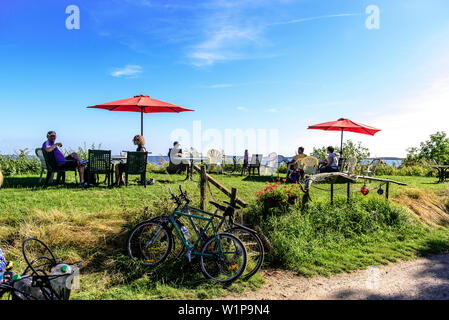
[
  {"x": 254, "y": 248},
  {"x": 134, "y": 246},
  {"x": 223, "y": 263},
  {"x": 178, "y": 248}
]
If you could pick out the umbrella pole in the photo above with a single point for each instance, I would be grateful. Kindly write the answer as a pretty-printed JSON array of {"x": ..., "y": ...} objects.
[
  {"x": 341, "y": 145},
  {"x": 141, "y": 122}
]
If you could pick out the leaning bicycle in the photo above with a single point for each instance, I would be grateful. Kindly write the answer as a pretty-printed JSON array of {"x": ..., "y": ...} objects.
[
  {"x": 249, "y": 237},
  {"x": 222, "y": 256}
]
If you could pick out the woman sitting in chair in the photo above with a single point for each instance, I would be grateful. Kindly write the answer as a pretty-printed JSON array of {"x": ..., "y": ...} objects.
[
  {"x": 294, "y": 164},
  {"x": 331, "y": 165},
  {"x": 139, "y": 141}
]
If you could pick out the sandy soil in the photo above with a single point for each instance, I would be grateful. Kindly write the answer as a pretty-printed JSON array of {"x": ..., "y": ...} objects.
[{"x": 418, "y": 279}]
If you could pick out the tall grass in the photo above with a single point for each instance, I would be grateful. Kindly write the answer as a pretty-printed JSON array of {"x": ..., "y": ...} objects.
[
  {"x": 325, "y": 238},
  {"x": 21, "y": 162}
]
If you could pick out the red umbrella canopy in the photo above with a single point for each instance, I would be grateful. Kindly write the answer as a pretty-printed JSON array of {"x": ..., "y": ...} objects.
[
  {"x": 345, "y": 125},
  {"x": 141, "y": 103}
]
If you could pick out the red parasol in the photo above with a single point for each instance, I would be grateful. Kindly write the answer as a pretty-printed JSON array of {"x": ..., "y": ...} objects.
[
  {"x": 345, "y": 125},
  {"x": 142, "y": 104}
]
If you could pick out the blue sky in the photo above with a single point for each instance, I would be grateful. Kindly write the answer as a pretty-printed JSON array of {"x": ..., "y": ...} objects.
[{"x": 263, "y": 65}]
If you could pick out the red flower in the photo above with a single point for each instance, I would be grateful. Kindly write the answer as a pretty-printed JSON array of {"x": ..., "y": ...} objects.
[{"x": 283, "y": 180}]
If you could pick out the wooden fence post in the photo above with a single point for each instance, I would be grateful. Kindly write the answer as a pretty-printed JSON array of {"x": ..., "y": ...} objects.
[
  {"x": 203, "y": 182},
  {"x": 348, "y": 191},
  {"x": 387, "y": 191}
]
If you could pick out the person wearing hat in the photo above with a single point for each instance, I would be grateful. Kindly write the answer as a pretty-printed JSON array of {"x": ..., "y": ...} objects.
[{"x": 61, "y": 161}]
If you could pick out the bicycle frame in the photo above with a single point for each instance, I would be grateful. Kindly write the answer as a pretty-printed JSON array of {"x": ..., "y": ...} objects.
[{"x": 186, "y": 213}]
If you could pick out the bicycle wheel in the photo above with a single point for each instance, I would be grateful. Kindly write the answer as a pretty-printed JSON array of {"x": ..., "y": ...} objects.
[
  {"x": 254, "y": 250},
  {"x": 178, "y": 248},
  {"x": 149, "y": 242},
  {"x": 227, "y": 264}
]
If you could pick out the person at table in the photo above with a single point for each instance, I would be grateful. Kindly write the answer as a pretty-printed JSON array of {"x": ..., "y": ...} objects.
[
  {"x": 139, "y": 141},
  {"x": 331, "y": 165},
  {"x": 294, "y": 164},
  {"x": 72, "y": 161},
  {"x": 177, "y": 164}
]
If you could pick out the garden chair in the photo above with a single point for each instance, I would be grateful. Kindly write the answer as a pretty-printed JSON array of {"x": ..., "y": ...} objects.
[
  {"x": 291, "y": 167},
  {"x": 310, "y": 165},
  {"x": 52, "y": 168},
  {"x": 99, "y": 163},
  {"x": 137, "y": 165},
  {"x": 371, "y": 169},
  {"x": 40, "y": 156},
  {"x": 254, "y": 163},
  {"x": 272, "y": 163},
  {"x": 350, "y": 165},
  {"x": 215, "y": 158}
]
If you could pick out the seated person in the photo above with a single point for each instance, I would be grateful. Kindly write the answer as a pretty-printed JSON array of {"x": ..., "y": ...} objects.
[
  {"x": 294, "y": 165},
  {"x": 73, "y": 161},
  {"x": 177, "y": 164},
  {"x": 139, "y": 141},
  {"x": 331, "y": 165},
  {"x": 245, "y": 162}
]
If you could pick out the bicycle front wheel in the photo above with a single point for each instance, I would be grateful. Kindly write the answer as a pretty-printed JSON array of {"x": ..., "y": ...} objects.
[
  {"x": 149, "y": 242},
  {"x": 223, "y": 258},
  {"x": 254, "y": 250}
]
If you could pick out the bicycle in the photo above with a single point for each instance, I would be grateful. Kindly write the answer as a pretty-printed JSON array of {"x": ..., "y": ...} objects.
[
  {"x": 43, "y": 279},
  {"x": 249, "y": 237},
  {"x": 222, "y": 256}
]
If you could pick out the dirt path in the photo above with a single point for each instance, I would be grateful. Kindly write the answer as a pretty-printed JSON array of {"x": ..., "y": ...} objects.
[{"x": 418, "y": 279}]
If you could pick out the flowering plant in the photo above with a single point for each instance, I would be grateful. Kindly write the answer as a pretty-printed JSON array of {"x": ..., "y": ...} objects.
[{"x": 278, "y": 195}]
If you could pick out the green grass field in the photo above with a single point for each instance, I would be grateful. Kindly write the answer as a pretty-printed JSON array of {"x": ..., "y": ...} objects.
[{"x": 92, "y": 224}]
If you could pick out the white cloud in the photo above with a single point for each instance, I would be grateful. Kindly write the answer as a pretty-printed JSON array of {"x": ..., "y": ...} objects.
[
  {"x": 241, "y": 108},
  {"x": 272, "y": 110},
  {"x": 129, "y": 70},
  {"x": 315, "y": 18}
]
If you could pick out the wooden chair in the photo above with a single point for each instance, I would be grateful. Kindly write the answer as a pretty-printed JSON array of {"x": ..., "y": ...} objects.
[
  {"x": 99, "y": 163},
  {"x": 254, "y": 163},
  {"x": 136, "y": 164},
  {"x": 52, "y": 168},
  {"x": 215, "y": 158}
]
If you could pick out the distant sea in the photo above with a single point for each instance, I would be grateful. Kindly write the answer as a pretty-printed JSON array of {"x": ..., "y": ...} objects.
[{"x": 158, "y": 161}]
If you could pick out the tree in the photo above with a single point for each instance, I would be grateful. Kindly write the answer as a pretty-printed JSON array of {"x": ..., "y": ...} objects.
[
  {"x": 350, "y": 149},
  {"x": 437, "y": 148}
]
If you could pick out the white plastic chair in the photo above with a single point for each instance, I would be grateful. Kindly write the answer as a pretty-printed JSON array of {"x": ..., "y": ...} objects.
[
  {"x": 351, "y": 163},
  {"x": 310, "y": 165},
  {"x": 271, "y": 163},
  {"x": 291, "y": 167},
  {"x": 215, "y": 158},
  {"x": 371, "y": 170}
]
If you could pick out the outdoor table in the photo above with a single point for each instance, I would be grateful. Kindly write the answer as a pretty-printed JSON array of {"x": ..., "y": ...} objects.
[
  {"x": 190, "y": 168},
  {"x": 443, "y": 171}
]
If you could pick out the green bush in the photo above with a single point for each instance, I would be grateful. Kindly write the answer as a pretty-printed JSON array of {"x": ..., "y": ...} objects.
[
  {"x": 413, "y": 170},
  {"x": 19, "y": 163},
  {"x": 323, "y": 236}
]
